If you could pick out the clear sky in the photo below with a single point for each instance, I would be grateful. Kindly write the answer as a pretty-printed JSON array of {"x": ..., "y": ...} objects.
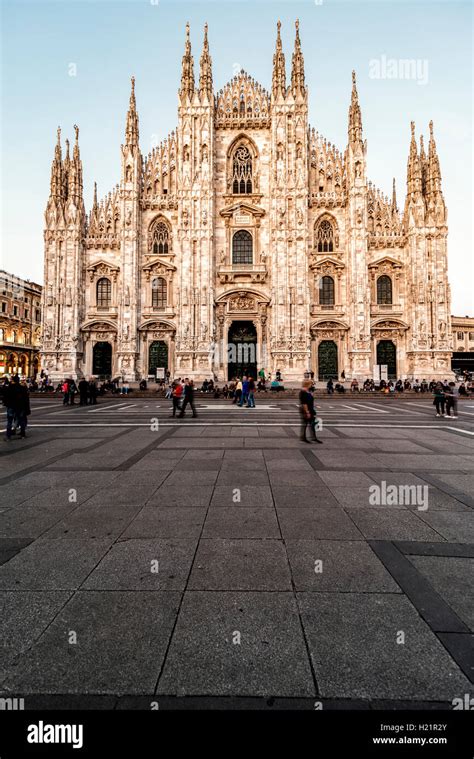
[{"x": 104, "y": 42}]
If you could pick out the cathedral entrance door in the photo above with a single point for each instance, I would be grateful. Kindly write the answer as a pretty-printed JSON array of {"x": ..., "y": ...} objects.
[
  {"x": 242, "y": 350},
  {"x": 102, "y": 360},
  {"x": 327, "y": 361},
  {"x": 157, "y": 356},
  {"x": 387, "y": 354}
]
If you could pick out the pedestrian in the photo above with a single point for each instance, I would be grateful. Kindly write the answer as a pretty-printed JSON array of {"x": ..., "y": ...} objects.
[
  {"x": 251, "y": 393},
  {"x": 188, "y": 394},
  {"x": 177, "y": 395},
  {"x": 16, "y": 398},
  {"x": 307, "y": 413},
  {"x": 245, "y": 391},
  {"x": 83, "y": 391},
  {"x": 452, "y": 401},
  {"x": 93, "y": 392},
  {"x": 238, "y": 393},
  {"x": 439, "y": 399},
  {"x": 65, "y": 392},
  {"x": 72, "y": 391},
  {"x": 330, "y": 386}
]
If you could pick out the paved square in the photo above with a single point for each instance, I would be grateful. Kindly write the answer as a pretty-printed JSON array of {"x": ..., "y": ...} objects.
[{"x": 222, "y": 557}]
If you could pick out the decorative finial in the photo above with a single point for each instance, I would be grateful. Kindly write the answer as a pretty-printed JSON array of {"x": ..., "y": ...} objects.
[
  {"x": 133, "y": 84},
  {"x": 59, "y": 135},
  {"x": 297, "y": 24},
  {"x": 354, "y": 78},
  {"x": 76, "y": 129},
  {"x": 278, "y": 26},
  {"x": 431, "y": 129},
  {"x": 187, "y": 29},
  {"x": 412, "y": 129}
]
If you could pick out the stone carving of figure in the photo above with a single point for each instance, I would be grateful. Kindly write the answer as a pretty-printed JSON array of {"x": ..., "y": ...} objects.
[
  {"x": 223, "y": 257},
  {"x": 127, "y": 296}
]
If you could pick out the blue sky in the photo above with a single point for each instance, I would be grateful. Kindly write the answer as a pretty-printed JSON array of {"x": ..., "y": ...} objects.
[{"x": 108, "y": 41}]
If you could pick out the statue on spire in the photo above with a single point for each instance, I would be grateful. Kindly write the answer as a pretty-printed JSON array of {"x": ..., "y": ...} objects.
[
  {"x": 205, "y": 73},
  {"x": 355, "y": 115},
  {"x": 187, "y": 68},
  {"x": 131, "y": 129},
  {"x": 297, "y": 65},
  {"x": 279, "y": 70}
]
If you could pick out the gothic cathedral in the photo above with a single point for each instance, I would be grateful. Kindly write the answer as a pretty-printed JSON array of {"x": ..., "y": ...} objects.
[{"x": 246, "y": 229}]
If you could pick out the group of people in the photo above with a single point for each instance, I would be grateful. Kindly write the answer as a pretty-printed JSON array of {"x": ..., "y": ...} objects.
[
  {"x": 446, "y": 399},
  {"x": 182, "y": 395},
  {"x": 16, "y": 399},
  {"x": 87, "y": 389}
]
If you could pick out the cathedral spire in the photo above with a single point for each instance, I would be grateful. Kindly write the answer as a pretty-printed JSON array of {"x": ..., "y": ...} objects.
[
  {"x": 414, "y": 173},
  {"x": 187, "y": 68},
  {"x": 131, "y": 129},
  {"x": 434, "y": 173},
  {"x": 355, "y": 116},
  {"x": 297, "y": 65},
  {"x": 205, "y": 73},
  {"x": 56, "y": 185},
  {"x": 394, "y": 197},
  {"x": 279, "y": 70}
]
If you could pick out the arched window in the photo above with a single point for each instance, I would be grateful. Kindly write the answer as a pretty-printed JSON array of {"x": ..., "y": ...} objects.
[
  {"x": 15, "y": 337},
  {"x": 242, "y": 168},
  {"x": 326, "y": 291},
  {"x": 325, "y": 237},
  {"x": 242, "y": 247},
  {"x": 160, "y": 239},
  {"x": 384, "y": 290},
  {"x": 2, "y": 334},
  {"x": 159, "y": 292},
  {"x": 104, "y": 292}
]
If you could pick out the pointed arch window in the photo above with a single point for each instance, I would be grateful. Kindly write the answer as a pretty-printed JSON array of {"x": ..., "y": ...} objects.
[
  {"x": 159, "y": 293},
  {"x": 326, "y": 291},
  {"x": 325, "y": 237},
  {"x": 160, "y": 239},
  {"x": 384, "y": 290},
  {"x": 242, "y": 171},
  {"x": 104, "y": 292},
  {"x": 242, "y": 247}
]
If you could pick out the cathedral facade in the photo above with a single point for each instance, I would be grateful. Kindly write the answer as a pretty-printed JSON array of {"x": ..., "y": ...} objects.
[{"x": 244, "y": 241}]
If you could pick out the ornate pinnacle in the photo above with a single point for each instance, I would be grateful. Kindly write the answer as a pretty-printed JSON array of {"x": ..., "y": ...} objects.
[{"x": 279, "y": 71}]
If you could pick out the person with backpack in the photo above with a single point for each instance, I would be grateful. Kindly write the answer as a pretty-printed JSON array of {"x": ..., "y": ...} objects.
[{"x": 307, "y": 413}]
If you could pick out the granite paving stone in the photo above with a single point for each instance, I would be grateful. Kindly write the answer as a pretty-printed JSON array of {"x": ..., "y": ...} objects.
[
  {"x": 234, "y": 643},
  {"x": 241, "y": 522},
  {"x": 122, "y": 639},
  {"x": 250, "y": 496},
  {"x": 144, "y": 564},
  {"x": 152, "y": 522},
  {"x": 184, "y": 496},
  {"x": 313, "y": 524},
  {"x": 359, "y": 631},
  {"x": 346, "y": 566},
  {"x": 453, "y": 578},
  {"x": 240, "y": 565},
  {"x": 387, "y": 523},
  {"x": 457, "y": 527},
  {"x": 52, "y": 564}
]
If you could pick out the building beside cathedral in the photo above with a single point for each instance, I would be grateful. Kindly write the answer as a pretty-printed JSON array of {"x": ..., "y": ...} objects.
[{"x": 246, "y": 239}]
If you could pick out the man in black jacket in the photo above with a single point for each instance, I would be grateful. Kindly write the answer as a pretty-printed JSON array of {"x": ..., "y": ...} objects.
[
  {"x": 83, "y": 391},
  {"x": 17, "y": 401},
  {"x": 188, "y": 398},
  {"x": 308, "y": 413}
]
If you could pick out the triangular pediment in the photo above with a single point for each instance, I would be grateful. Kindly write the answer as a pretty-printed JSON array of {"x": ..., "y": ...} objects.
[
  {"x": 157, "y": 263},
  {"x": 387, "y": 261},
  {"x": 243, "y": 208}
]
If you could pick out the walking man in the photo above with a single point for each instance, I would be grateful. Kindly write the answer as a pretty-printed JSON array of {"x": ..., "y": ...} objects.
[
  {"x": 439, "y": 399},
  {"x": 188, "y": 398},
  {"x": 308, "y": 413},
  {"x": 245, "y": 391},
  {"x": 251, "y": 393}
]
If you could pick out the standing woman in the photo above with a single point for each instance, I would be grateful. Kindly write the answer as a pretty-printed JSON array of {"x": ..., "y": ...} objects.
[{"x": 439, "y": 399}]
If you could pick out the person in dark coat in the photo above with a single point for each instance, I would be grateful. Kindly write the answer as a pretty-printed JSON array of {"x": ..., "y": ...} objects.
[
  {"x": 188, "y": 398},
  {"x": 17, "y": 401},
  {"x": 83, "y": 392},
  {"x": 307, "y": 413},
  {"x": 93, "y": 391}
]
